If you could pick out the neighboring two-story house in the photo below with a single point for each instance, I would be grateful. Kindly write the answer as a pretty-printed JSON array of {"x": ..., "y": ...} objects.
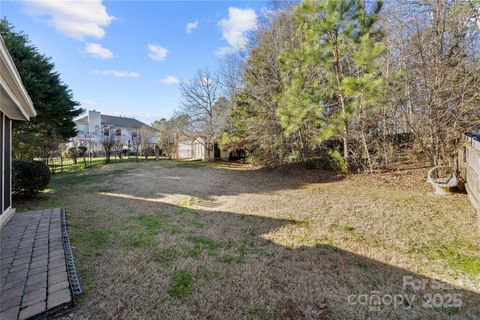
[{"x": 129, "y": 134}]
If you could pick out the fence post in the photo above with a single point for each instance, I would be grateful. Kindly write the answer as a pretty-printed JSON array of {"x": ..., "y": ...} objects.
[
  {"x": 61, "y": 163},
  {"x": 51, "y": 168}
]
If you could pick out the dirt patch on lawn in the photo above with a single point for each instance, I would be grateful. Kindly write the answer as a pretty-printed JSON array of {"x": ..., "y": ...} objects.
[{"x": 271, "y": 246}]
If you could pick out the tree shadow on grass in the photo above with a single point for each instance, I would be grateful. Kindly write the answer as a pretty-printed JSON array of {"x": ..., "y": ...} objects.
[{"x": 254, "y": 274}]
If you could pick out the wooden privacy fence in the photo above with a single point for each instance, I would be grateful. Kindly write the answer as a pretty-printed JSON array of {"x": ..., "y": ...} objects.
[{"x": 469, "y": 161}]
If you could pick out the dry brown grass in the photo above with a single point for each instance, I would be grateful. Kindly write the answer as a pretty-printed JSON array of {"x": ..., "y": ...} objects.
[{"x": 273, "y": 246}]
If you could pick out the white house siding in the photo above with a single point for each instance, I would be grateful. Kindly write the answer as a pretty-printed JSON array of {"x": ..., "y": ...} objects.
[{"x": 82, "y": 129}]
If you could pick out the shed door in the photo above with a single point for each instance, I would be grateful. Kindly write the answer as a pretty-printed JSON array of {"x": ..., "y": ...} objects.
[{"x": 184, "y": 150}]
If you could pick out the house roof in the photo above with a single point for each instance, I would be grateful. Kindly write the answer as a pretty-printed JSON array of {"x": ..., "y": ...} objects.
[
  {"x": 184, "y": 138},
  {"x": 15, "y": 101},
  {"x": 121, "y": 122}
]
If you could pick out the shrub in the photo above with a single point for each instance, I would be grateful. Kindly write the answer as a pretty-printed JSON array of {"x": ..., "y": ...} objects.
[
  {"x": 293, "y": 156},
  {"x": 312, "y": 164},
  {"x": 82, "y": 151},
  {"x": 29, "y": 177},
  {"x": 330, "y": 160},
  {"x": 72, "y": 152}
]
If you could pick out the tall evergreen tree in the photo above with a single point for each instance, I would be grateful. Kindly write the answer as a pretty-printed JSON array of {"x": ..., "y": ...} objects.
[
  {"x": 253, "y": 124},
  {"x": 52, "y": 99},
  {"x": 332, "y": 73}
]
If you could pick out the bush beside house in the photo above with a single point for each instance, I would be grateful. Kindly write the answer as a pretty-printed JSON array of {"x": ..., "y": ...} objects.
[{"x": 29, "y": 177}]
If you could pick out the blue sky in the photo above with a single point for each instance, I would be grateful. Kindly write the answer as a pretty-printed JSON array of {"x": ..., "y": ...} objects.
[{"x": 126, "y": 57}]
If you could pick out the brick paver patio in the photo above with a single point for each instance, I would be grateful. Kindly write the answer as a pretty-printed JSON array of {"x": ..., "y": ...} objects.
[{"x": 34, "y": 278}]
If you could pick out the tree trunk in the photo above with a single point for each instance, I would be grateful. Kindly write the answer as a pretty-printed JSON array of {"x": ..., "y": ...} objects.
[
  {"x": 342, "y": 104},
  {"x": 107, "y": 156},
  {"x": 367, "y": 153},
  {"x": 208, "y": 152},
  {"x": 384, "y": 138}
]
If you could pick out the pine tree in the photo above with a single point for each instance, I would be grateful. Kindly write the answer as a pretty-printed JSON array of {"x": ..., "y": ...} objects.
[
  {"x": 331, "y": 74},
  {"x": 51, "y": 98}
]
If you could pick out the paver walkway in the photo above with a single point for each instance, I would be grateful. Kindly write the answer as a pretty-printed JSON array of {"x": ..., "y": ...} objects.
[{"x": 34, "y": 279}]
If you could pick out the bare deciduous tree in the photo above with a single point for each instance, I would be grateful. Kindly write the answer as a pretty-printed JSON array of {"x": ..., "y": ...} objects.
[
  {"x": 107, "y": 139},
  {"x": 145, "y": 141},
  {"x": 118, "y": 142},
  {"x": 435, "y": 44},
  {"x": 230, "y": 74},
  {"x": 168, "y": 134},
  {"x": 136, "y": 141},
  {"x": 201, "y": 107}
]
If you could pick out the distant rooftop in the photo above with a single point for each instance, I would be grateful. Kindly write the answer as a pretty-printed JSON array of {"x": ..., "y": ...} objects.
[{"x": 116, "y": 121}]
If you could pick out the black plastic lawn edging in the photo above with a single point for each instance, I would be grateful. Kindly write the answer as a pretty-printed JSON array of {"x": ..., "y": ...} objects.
[{"x": 71, "y": 270}]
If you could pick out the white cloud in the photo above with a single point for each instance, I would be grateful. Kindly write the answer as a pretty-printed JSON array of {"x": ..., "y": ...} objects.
[
  {"x": 76, "y": 19},
  {"x": 223, "y": 51},
  {"x": 170, "y": 80},
  {"x": 116, "y": 73},
  {"x": 97, "y": 51},
  {"x": 156, "y": 52},
  {"x": 235, "y": 27},
  {"x": 191, "y": 26}
]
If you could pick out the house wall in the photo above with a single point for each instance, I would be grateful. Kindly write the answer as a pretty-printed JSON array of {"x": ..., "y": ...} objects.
[
  {"x": 82, "y": 129},
  {"x": 93, "y": 121},
  {"x": 2, "y": 159},
  {"x": 6, "y": 162}
]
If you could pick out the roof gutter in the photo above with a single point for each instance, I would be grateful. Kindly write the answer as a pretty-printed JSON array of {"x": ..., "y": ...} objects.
[{"x": 11, "y": 83}]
